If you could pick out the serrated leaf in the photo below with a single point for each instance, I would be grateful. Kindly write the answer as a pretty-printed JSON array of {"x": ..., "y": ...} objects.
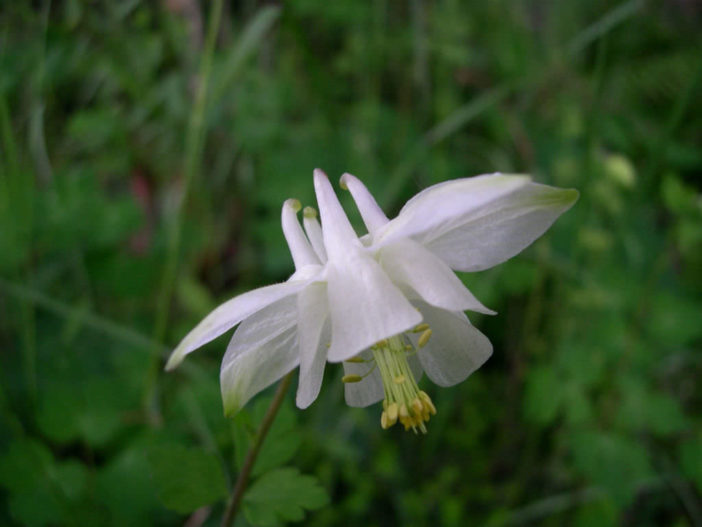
[
  {"x": 283, "y": 494},
  {"x": 186, "y": 478}
]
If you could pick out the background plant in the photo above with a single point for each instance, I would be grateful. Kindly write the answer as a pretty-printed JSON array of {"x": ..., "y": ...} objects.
[{"x": 138, "y": 135}]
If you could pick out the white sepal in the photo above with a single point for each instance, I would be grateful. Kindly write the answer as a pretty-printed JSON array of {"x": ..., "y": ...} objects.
[
  {"x": 313, "y": 340},
  {"x": 263, "y": 349},
  {"x": 229, "y": 314},
  {"x": 456, "y": 348},
  {"x": 479, "y": 222},
  {"x": 408, "y": 263},
  {"x": 370, "y": 389},
  {"x": 365, "y": 306}
]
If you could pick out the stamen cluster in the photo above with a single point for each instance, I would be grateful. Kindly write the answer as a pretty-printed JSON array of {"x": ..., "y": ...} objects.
[{"x": 404, "y": 401}]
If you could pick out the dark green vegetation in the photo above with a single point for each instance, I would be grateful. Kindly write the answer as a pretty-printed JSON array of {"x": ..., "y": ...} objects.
[{"x": 130, "y": 205}]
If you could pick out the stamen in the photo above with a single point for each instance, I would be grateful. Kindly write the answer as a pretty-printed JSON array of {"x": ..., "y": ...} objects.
[
  {"x": 356, "y": 360},
  {"x": 424, "y": 338},
  {"x": 404, "y": 401},
  {"x": 351, "y": 378},
  {"x": 420, "y": 328}
]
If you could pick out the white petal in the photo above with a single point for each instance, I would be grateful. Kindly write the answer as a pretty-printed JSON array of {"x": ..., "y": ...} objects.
[
  {"x": 370, "y": 389},
  {"x": 299, "y": 246},
  {"x": 314, "y": 233},
  {"x": 336, "y": 229},
  {"x": 476, "y": 223},
  {"x": 365, "y": 306},
  {"x": 229, "y": 314},
  {"x": 373, "y": 216},
  {"x": 313, "y": 340},
  {"x": 408, "y": 263},
  {"x": 262, "y": 350},
  {"x": 456, "y": 348}
]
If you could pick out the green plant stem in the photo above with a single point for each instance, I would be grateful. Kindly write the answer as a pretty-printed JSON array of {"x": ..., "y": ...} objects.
[
  {"x": 194, "y": 142},
  {"x": 243, "y": 479}
]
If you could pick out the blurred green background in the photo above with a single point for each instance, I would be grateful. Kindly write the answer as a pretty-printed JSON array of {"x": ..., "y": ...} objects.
[{"x": 145, "y": 151}]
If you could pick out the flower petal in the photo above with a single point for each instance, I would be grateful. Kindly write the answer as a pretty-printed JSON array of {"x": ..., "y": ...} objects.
[
  {"x": 314, "y": 232},
  {"x": 262, "y": 350},
  {"x": 299, "y": 246},
  {"x": 313, "y": 340},
  {"x": 476, "y": 223},
  {"x": 373, "y": 216},
  {"x": 336, "y": 229},
  {"x": 456, "y": 348},
  {"x": 229, "y": 314},
  {"x": 370, "y": 389},
  {"x": 408, "y": 263},
  {"x": 364, "y": 304}
]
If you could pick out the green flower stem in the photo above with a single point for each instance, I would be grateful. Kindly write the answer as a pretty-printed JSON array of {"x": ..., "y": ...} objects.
[{"x": 243, "y": 479}]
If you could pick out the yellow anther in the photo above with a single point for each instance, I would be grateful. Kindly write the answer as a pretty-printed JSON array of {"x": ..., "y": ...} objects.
[
  {"x": 309, "y": 212},
  {"x": 424, "y": 338},
  {"x": 381, "y": 343},
  {"x": 408, "y": 347},
  {"x": 356, "y": 360},
  {"x": 403, "y": 413},
  {"x": 399, "y": 379},
  {"x": 420, "y": 328},
  {"x": 418, "y": 408},
  {"x": 427, "y": 402},
  {"x": 392, "y": 410},
  {"x": 351, "y": 378},
  {"x": 384, "y": 421}
]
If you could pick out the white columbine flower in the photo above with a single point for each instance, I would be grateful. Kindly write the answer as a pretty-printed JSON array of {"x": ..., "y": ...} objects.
[{"x": 373, "y": 303}]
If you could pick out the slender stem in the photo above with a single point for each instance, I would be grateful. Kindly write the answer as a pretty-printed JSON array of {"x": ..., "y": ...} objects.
[
  {"x": 194, "y": 142},
  {"x": 243, "y": 479}
]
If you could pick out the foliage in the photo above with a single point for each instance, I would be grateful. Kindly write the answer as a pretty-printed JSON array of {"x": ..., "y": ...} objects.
[{"x": 588, "y": 411}]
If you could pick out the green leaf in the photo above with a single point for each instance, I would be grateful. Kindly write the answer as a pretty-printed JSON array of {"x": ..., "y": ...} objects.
[
  {"x": 91, "y": 411},
  {"x": 283, "y": 495},
  {"x": 643, "y": 408},
  {"x": 617, "y": 464},
  {"x": 186, "y": 478},
  {"x": 543, "y": 395},
  {"x": 691, "y": 460},
  {"x": 601, "y": 512},
  {"x": 125, "y": 488},
  {"x": 32, "y": 476},
  {"x": 674, "y": 319}
]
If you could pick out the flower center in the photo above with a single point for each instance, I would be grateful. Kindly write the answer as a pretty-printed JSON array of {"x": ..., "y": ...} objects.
[{"x": 404, "y": 401}]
